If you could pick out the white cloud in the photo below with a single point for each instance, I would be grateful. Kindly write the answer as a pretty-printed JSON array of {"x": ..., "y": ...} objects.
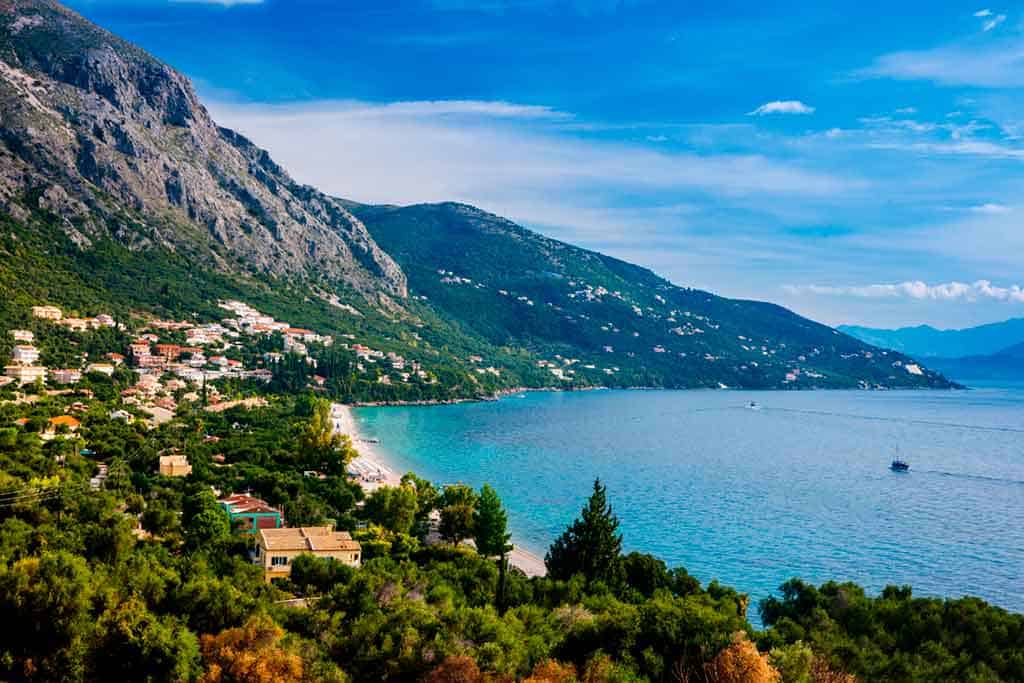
[
  {"x": 486, "y": 153},
  {"x": 782, "y": 107},
  {"x": 976, "y": 148},
  {"x": 990, "y": 208},
  {"x": 983, "y": 13},
  {"x": 484, "y": 108},
  {"x": 992, "y": 65},
  {"x": 907, "y": 110},
  {"x": 916, "y": 289},
  {"x": 993, "y": 22}
]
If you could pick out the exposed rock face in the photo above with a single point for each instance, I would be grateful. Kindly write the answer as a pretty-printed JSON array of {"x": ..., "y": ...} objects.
[{"x": 115, "y": 143}]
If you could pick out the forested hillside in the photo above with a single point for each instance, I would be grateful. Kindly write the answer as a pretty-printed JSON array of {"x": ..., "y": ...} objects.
[{"x": 605, "y": 321}]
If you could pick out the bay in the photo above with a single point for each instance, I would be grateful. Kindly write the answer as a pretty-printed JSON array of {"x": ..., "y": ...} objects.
[{"x": 799, "y": 486}]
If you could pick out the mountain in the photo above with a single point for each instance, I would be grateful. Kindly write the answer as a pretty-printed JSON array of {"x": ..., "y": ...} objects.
[
  {"x": 925, "y": 341},
  {"x": 1007, "y": 364},
  {"x": 609, "y": 321},
  {"x": 119, "y": 192},
  {"x": 112, "y": 144}
]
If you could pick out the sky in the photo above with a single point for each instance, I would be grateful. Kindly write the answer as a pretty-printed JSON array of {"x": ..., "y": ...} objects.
[{"x": 856, "y": 163}]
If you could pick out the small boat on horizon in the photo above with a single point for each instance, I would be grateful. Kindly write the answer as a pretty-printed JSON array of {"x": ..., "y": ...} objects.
[
  {"x": 754, "y": 405},
  {"x": 899, "y": 466}
]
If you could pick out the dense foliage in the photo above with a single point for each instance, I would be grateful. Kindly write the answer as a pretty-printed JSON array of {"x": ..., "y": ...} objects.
[{"x": 143, "y": 579}]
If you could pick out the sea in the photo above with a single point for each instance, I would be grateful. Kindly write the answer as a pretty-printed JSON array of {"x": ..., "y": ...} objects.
[{"x": 753, "y": 488}]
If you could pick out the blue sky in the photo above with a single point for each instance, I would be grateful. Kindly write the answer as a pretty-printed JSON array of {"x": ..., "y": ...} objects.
[{"x": 855, "y": 163}]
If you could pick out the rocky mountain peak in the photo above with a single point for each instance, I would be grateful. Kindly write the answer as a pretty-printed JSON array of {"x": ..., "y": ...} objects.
[{"x": 114, "y": 143}]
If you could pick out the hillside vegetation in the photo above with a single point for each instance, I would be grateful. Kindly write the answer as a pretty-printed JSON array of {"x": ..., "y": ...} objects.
[
  {"x": 609, "y": 322},
  {"x": 143, "y": 579}
]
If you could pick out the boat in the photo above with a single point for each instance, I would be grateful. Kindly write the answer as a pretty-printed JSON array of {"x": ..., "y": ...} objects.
[
  {"x": 754, "y": 405},
  {"x": 899, "y": 466}
]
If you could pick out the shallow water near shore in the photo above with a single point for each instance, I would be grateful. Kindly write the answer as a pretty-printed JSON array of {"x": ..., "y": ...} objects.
[{"x": 800, "y": 486}]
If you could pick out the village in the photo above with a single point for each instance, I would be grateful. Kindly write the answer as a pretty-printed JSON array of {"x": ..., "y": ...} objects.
[
  {"x": 177, "y": 360},
  {"x": 165, "y": 363}
]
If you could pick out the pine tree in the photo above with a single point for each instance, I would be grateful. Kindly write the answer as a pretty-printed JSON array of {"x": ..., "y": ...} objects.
[
  {"x": 590, "y": 546},
  {"x": 490, "y": 532},
  {"x": 490, "y": 524}
]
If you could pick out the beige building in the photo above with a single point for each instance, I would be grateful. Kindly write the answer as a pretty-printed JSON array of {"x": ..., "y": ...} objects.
[
  {"x": 276, "y": 548},
  {"x": 65, "y": 376},
  {"x": 26, "y": 374},
  {"x": 175, "y": 466},
  {"x": 23, "y": 336},
  {"x": 103, "y": 368},
  {"x": 47, "y": 312},
  {"x": 76, "y": 324}
]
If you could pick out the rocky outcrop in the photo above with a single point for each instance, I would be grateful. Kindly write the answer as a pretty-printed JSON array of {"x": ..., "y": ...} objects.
[{"x": 114, "y": 143}]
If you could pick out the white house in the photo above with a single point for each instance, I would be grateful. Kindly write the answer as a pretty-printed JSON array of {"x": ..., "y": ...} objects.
[{"x": 25, "y": 354}]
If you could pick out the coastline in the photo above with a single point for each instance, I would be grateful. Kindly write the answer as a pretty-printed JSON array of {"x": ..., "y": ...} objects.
[
  {"x": 503, "y": 393},
  {"x": 376, "y": 471}
]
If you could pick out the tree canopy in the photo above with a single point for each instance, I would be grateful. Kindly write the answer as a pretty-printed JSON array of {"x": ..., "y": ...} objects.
[{"x": 591, "y": 546}]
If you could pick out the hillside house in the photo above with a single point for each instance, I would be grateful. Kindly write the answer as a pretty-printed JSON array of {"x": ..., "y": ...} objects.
[
  {"x": 62, "y": 423},
  {"x": 47, "y": 312},
  {"x": 249, "y": 514},
  {"x": 277, "y": 548},
  {"x": 26, "y": 374},
  {"x": 76, "y": 324},
  {"x": 139, "y": 348},
  {"x": 65, "y": 376},
  {"x": 25, "y": 354},
  {"x": 23, "y": 336},
  {"x": 176, "y": 465},
  {"x": 168, "y": 351}
]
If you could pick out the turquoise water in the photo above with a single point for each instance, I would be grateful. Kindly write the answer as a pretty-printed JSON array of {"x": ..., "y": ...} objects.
[{"x": 801, "y": 487}]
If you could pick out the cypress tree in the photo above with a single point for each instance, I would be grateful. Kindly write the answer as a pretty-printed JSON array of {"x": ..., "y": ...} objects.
[{"x": 591, "y": 545}]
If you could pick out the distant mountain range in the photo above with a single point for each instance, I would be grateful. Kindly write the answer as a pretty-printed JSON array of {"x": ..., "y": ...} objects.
[
  {"x": 992, "y": 351},
  {"x": 925, "y": 341},
  {"x": 1007, "y": 364},
  {"x": 118, "y": 190}
]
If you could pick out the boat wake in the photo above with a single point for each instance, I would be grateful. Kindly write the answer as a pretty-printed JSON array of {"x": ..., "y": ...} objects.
[{"x": 974, "y": 477}]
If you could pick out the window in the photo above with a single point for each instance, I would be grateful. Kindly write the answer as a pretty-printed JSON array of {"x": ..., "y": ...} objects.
[{"x": 278, "y": 561}]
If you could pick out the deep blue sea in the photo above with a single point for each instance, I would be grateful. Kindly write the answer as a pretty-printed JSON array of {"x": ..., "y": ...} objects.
[{"x": 800, "y": 487}]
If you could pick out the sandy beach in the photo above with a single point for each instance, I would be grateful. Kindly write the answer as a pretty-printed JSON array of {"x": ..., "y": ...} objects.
[
  {"x": 371, "y": 466},
  {"x": 374, "y": 471}
]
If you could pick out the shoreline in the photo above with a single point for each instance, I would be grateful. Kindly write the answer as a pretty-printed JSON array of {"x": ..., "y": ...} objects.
[
  {"x": 504, "y": 393},
  {"x": 376, "y": 471}
]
